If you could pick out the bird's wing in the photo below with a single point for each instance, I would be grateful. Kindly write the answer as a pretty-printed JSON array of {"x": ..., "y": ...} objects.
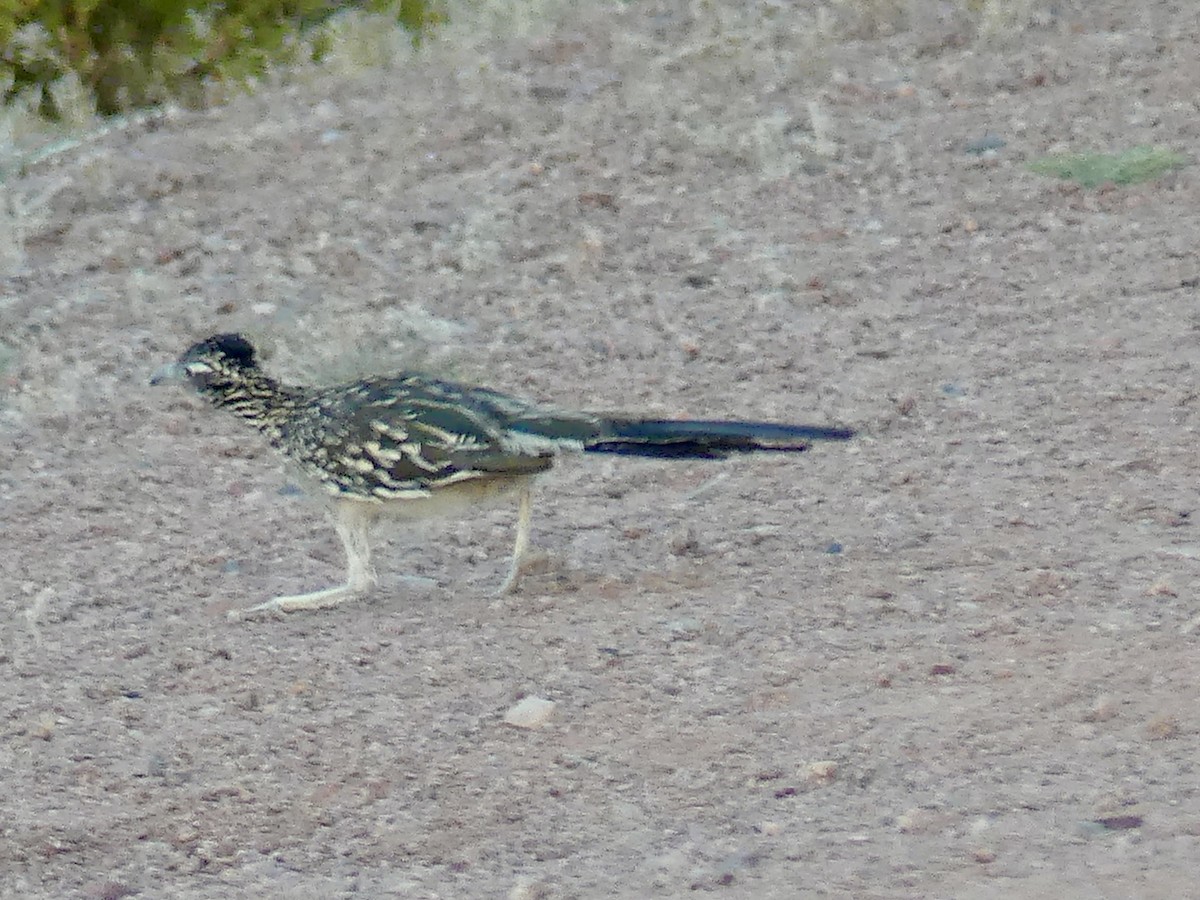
[{"x": 407, "y": 437}]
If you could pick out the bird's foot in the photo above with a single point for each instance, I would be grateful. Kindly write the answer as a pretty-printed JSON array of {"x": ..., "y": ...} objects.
[{"x": 533, "y": 562}]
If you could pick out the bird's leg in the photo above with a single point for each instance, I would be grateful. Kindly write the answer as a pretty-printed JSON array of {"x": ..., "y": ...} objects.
[
  {"x": 352, "y": 521},
  {"x": 521, "y": 546}
]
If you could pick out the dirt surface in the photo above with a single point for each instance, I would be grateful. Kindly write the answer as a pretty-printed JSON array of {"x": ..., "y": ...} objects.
[{"x": 959, "y": 657}]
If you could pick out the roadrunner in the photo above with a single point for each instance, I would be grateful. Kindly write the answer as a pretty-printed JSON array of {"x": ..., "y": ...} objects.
[{"x": 411, "y": 446}]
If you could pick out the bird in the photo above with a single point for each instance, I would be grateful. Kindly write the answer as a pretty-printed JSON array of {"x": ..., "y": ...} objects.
[{"x": 411, "y": 446}]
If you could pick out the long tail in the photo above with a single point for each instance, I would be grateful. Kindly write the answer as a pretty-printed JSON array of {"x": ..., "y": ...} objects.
[{"x": 705, "y": 439}]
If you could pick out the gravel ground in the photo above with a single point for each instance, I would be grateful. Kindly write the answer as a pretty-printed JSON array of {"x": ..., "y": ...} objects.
[{"x": 955, "y": 658}]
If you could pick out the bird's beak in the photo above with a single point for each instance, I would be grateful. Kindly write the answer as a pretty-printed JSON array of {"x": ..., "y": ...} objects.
[{"x": 171, "y": 373}]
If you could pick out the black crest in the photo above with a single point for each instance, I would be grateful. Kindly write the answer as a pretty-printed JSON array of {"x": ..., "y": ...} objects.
[{"x": 232, "y": 347}]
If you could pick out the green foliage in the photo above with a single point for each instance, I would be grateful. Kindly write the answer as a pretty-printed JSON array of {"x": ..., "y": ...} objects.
[
  {"x": 136, "y": 53},
  {"x": 1093, "y": 169}
]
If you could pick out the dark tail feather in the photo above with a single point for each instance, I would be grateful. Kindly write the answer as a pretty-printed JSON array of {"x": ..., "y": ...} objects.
[{"x": 700, "y": 439}]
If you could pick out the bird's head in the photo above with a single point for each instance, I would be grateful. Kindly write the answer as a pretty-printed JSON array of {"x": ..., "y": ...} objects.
[{"x": 213, "y": 365}]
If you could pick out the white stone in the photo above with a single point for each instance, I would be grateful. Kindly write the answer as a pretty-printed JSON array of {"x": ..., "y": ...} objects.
[{"x": 530, "y": 712}]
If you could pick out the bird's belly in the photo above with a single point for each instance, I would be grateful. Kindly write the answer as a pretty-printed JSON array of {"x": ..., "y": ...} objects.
[
  {"x": 456, "y": 499},
  {"x": 449, "y": 500}
]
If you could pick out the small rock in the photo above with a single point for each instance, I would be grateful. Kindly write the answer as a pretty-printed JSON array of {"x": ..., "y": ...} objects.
[
  {"x": 110, "y": 890},
  {"x": 1104, "y": 709},
  {"x": 922, "y": 821},
  {"x": 530, "y": 712},
  {"x": 43, "y": 730},
  {"x": 528, "y": 889},
  {"x": 683, "y": 629},
  {"x": 157, "y": 765},
  {"x": 822, "y": 771},
  {"x": 1120, "y": 822},
  {"x": 685, "y": 543},
  {"x": 982, "y": 145}
]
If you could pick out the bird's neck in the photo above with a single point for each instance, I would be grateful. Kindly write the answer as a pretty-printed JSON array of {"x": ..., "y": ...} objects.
[{"x": 259, "y": 399}]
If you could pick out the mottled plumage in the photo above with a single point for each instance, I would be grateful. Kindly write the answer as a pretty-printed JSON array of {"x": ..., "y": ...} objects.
[{"x": 413, "y": 445}]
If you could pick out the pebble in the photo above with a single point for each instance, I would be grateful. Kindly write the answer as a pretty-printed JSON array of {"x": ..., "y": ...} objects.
[
  {"x": 982, "y": 145},
  {"x": 686, "y": 629},
  {"x": 529, "y": 712},
  {"x": 822, "y": 771},
  {"x": 527, "y": 888}
]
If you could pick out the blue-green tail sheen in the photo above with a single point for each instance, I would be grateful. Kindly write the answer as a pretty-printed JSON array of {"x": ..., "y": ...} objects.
[{"x": 706, "y": 439}]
